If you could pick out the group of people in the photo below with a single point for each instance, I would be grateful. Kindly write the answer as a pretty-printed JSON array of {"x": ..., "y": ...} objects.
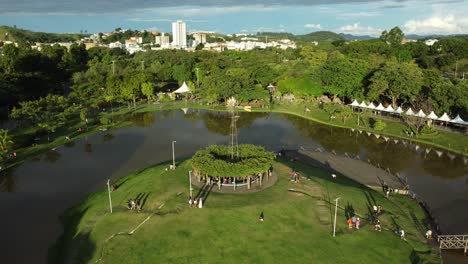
[
  {"x": 195, "y": 202},
  {"x": 376, "y": 209},
  {"x": 387, "y": 190},
  {"x": 134, "y": 204},
  {"x": 354, "y": 222}
]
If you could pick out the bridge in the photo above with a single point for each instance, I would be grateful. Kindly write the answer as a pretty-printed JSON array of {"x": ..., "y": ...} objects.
[{"x": 453, "y": 242}]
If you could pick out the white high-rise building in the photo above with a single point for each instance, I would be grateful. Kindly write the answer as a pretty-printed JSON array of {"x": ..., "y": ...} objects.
[{"x": 179, "y": 35}]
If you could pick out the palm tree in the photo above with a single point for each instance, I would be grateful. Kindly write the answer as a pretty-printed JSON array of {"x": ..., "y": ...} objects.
[{"x": 5, "y": 144}]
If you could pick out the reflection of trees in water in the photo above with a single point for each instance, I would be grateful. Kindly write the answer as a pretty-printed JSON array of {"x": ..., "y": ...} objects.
[
  {"x": 69, "y": 144},
  {"x": 51, "y": 156},
  {"x": 88, "y": 148},
  {"x": 7, "y": 180},
  {"x": 108, "y": 137},
  {"x": 386, "y": 154},
  {"x": 219, "y": 122},
  {"x": 330, "y": 138},
  {"x": 145, "y": 119},
  {"x": 443, "y": 166}
]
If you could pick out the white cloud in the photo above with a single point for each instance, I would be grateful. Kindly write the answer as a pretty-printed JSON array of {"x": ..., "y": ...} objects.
[
  {"x": 313, "y": 26},
  {"x": 437, "y": 24},
  {"x": 357, "y": 29}
]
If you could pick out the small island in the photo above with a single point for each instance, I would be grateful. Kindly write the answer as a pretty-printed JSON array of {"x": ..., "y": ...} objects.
[{"x": 289, "y": 222}]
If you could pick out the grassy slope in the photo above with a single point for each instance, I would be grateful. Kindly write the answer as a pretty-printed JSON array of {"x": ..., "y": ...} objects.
[{"x": 297, "y": 227}]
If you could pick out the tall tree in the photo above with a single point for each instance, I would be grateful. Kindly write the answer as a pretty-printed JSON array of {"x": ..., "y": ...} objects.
[
  {"x": 5, "y": 144},
  {"x": 396, "y": 81},
  {"x": 393, "y": 37}
]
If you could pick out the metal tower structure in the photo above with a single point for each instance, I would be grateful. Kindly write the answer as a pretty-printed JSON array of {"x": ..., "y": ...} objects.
[{"x": 234, "y": 141}]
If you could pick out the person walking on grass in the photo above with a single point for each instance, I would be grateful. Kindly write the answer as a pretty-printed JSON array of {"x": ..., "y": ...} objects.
[
  {"x": 262, "y": 217},
  {"x": 358, "y": 223},
  {"x": 350, "y": 223}
]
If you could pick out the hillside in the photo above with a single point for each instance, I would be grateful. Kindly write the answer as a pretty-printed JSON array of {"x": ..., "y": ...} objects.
[
  {"x": 16, "y": 34},
  {"x": 319, "y": 36}
]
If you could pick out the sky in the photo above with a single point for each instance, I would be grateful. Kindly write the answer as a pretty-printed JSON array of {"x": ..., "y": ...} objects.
[{"x": 357, "y": 17}]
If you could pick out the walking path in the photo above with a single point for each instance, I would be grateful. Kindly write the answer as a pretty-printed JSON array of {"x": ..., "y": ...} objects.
[{"x": 357, "y": 170}]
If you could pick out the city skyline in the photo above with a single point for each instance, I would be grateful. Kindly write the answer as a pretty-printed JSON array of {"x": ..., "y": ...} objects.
[{"x": 357, "y": 17}]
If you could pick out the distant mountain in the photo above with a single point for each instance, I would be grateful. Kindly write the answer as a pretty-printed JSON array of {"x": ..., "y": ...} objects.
[
  {"x": 435, "y": 36},
  {"x": 353, "y": 37},
  {"x": 319, "y": 36},
  {"x": 16, "y": 34}
]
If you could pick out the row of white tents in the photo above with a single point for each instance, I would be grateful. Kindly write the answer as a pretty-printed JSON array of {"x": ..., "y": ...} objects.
[{"x": 410, "y": 112}]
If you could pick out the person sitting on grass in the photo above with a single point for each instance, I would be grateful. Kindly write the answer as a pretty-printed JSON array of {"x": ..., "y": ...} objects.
[{"x": 377, "y": 226}]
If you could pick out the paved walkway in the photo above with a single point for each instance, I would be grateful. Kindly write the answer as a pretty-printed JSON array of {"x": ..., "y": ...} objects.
[{"x": 357, "y": 170}]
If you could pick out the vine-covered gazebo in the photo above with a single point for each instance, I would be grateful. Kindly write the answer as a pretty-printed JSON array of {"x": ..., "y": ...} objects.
[{"x": 215, "y": 164}]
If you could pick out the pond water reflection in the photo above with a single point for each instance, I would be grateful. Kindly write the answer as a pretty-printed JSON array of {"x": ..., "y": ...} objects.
[{"x": 37, "y": 192}]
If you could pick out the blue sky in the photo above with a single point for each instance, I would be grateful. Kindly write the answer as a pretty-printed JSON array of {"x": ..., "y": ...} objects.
[{"x": 358, "y": 17}]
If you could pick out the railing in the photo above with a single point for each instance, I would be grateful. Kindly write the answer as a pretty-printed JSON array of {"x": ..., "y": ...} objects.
[{"x": 453, "y": 242}]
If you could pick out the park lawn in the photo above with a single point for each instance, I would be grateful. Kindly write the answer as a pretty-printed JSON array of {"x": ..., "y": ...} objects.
[{"x": 297, "y": 226}]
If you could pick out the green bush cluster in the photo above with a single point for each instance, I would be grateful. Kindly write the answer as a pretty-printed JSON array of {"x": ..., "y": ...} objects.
[{"x": 216, "y": 161}]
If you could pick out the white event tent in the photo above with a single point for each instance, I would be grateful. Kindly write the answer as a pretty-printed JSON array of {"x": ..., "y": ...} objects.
[
  {"x": 183, "y": 89},
  {"x": 354, "y": 103},
  {"x": 410, "y": 112},
  {"x": 380, "y": 107},
  {"x": 444, "y": 118},
  {"x": 432, "y": 116},
  {"x": 421, "y": 114},
  {"x": 458, "y": 120}
]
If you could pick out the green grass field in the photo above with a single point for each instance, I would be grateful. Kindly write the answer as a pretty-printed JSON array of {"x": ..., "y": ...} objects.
[{"x": 297, "y": 226}]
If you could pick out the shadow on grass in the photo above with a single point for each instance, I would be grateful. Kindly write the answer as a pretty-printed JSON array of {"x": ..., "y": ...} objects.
[{"x": 72, "y": 247}]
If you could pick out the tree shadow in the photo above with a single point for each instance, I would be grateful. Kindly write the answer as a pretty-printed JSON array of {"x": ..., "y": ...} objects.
[
  {"x": 349, "y": 211},
  {"x": 72, "y": 247},
  {"x": 7, "y": 180},
  {"x": 207, "y": 193}
]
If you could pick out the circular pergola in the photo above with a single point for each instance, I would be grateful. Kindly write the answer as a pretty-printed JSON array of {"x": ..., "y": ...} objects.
[{"x": 250, "y": 164}]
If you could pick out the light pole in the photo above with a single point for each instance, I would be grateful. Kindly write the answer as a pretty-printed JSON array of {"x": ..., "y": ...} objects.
[
  {"x": 198, "y": 82},
  {"x": 109, "y": 191},
  {"x": 173, "y": 155},
  {"x": 334, "y": 222},
  {"x": 190, "y": 180}
]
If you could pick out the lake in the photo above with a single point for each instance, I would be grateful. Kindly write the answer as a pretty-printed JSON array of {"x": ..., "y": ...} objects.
[{"x": 34, "y": 194}]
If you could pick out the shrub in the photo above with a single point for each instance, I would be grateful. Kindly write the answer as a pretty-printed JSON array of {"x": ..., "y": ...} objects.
[{"x": 379, "y": 125}]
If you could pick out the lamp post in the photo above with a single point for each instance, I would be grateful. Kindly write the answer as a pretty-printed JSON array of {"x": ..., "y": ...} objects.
[
  {"x": 173, "y": 155},
  {"x": 336, "y": 209},
  {"x": 109, "y": 191},
  {"x": 190, "y": 181},
  {"x": 198, "y": 82}
]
